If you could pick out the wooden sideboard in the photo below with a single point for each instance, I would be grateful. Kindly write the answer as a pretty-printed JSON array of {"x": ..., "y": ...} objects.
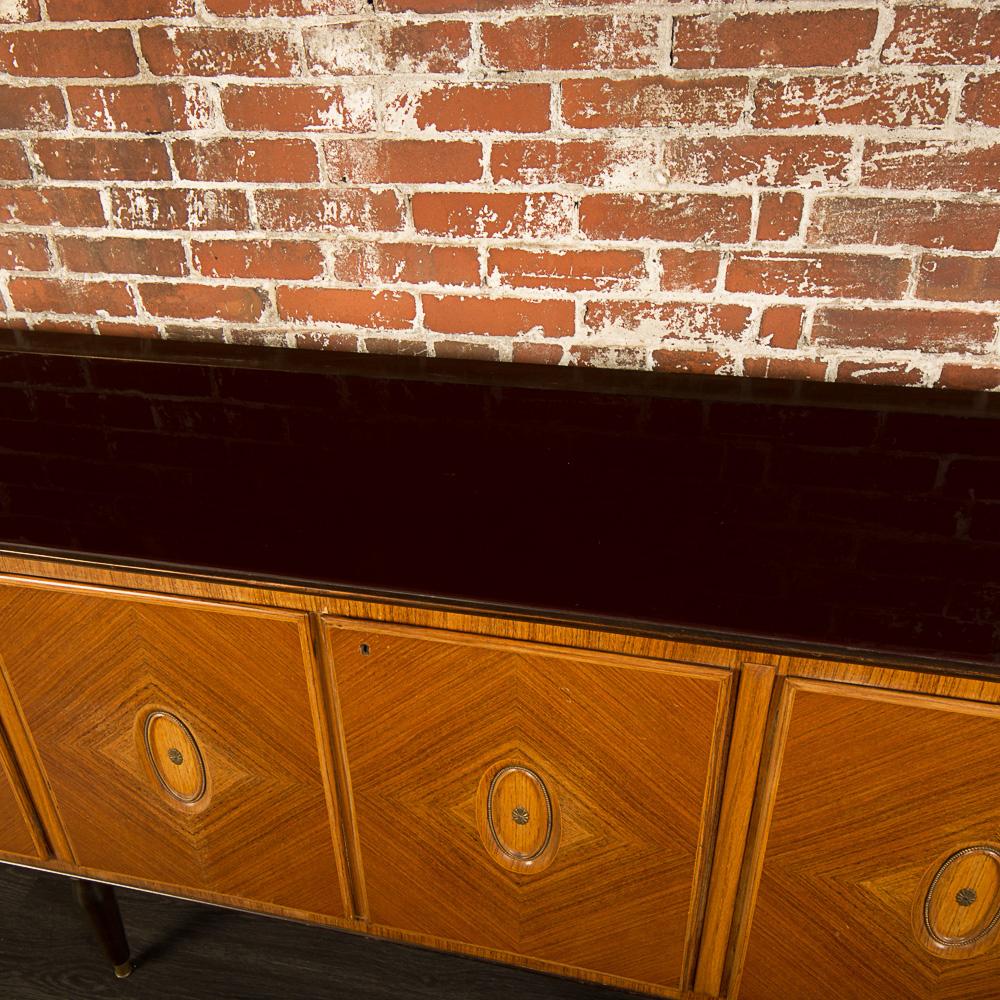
[{"x": 655, "y": 807}]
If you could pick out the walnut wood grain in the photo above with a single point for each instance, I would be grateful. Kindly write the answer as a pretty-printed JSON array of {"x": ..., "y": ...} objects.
[
  {"x": 88, "y": 667},
  {"x": 629, "y": 748},
  {"x": 867, "y": 792}
]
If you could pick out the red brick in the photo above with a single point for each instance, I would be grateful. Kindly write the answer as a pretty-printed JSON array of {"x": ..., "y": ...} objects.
[
  {"x": 904, "y": 222},
  {"x": 591, "y": 163},
  {"x": 373, "y": 47},
  {"x": 932, "y": 164},
  {"x": 40, "y": 206},
  {"x": 144, "y": 331},
  {"x": 14, "y": 164},
  {"x": 103, "y": 159},
  {"x": 654, "y": 101},
  {"x": 779, "y": 216},
  {"x": 773, "y": 161},
  {"x": 959, "y": 279},
  {"x": 497, "y": 317},
  {"x": 142, "y": 107},
  {"x": 258, "y": 161},
  {"x": 197, "y": 334},
  {"x": 68, "y": 52},
  {"x": 109, "y": 298},
  {"x": 536, "y": 354},
  {"x": 233, "y": 304},
  {"x": 570, "y": 270},
  {"x": 411, "y": 263},
  {"x": 350, "y": 306},
  {"x": 864, "y": 276},
  {"x": 607, "y": 356},
  {"x": 478, "y": 216},
  {"x": 49, "y": 325},
  {"x": 290, "y": 259},
  {"x": 454, "y": 6},
  {"x": 850, "y": 100},
  {"x": 689, "y": 270},
  {"x": 23, "y": 252},
  {"x": 218, "y": 52},
  {"x": 904, "y": 329},
  {"x": 805, "y": 38},
  {"x": 122, "y": 255},
  {"x": 37, "y": 109},
  {"x": 465, "y": 350},
  {"x": 282, "y": 8},
  {"x": 668, "y": 217},
  {"x": 878, "y": 373},
  {"x": 479, "y": 107},
  {"x": 572, "y": 43},
  {"x": 19, "y": 12},
  {"x": 403, "y": 161},
  {"x": 117, "y": 10},
  {"x": 936, "y": 35},
  {"x": 781, "y": 326},
  {"x": 332, "y": 210},
  {"x": 298, "y": 108},
  {"x": 396, "y": 345},
  {"x": 313, "y": 341},
  {"x": 796, "y": 368},
  {"x": 977, "y": 377},
  {"x": 178, "y": 208},
  {"x": 691, "y": 362},
  {"x": 981, "y": 100},
  {"x": 667, "y": 320}
]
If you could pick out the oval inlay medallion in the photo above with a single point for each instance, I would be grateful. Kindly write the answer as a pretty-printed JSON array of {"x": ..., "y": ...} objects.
[
  {"x": 175, "y": 757},
  {"x": 962, "y": 903},
  {"x": 519, "y": 812}
]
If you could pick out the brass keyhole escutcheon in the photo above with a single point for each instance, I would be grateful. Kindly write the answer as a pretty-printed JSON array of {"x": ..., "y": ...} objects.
[{"x": 176, "y": 757}]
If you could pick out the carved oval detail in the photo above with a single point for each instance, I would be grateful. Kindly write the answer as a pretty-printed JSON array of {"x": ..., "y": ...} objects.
[
  {"x": 175, "y": 756},
  {"x": 518, "y": 817},
  {"x": 961, "y": 907}
]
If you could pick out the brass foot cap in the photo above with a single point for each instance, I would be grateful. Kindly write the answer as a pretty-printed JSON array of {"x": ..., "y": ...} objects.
[{"x": 124, "y": 970}]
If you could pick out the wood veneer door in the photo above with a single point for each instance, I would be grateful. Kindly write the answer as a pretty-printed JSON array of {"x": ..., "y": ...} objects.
[
  {"x": 879, "y": 878},
  {"x": 535, "y": 801},
  {"x": 20, "y": 835},
  {"x": 177, "y": 739}
]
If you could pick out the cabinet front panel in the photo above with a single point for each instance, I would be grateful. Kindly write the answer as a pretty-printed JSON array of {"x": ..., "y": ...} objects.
[
  {"x": 17, "y": 836},
  {"x": 533, "y": 802},
  {"x": 177, "y": 739},
  {"x": 881, "y": 865}
]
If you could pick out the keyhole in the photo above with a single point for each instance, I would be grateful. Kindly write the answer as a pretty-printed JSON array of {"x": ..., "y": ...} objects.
[
  {"x": 176, "y": 757},
  {"x": 365, "y": 649}
]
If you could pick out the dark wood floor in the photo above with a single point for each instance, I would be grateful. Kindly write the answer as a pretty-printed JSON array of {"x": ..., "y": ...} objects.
[{"x": 187, "y": 951}]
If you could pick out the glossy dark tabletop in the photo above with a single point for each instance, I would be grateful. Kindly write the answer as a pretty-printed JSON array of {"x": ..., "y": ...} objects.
[{"x": 864, "y": 520}]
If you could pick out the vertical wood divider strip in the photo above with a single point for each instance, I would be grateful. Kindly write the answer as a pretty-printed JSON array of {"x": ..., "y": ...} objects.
[
  {"x": 749, "y": 727},
  {"x": 779, "y": 719},
  {"x": 335, "y": 748},
  {"x": 29, "y": 765}
]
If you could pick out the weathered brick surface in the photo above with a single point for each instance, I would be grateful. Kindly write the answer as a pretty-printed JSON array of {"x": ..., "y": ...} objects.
[{"x": 768, "y": 188}]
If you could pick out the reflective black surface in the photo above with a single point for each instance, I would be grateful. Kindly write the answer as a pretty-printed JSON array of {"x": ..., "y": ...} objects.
[{"x": 841, "y": 515}]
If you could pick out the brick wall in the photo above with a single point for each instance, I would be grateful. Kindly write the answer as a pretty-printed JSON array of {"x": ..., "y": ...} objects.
[{"x": 804, "y": 188}]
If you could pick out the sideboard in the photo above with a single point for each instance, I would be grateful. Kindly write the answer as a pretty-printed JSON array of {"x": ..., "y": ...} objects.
[{"x": 689, "y": 685}]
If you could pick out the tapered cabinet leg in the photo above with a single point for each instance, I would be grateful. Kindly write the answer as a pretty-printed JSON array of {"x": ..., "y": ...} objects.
[{"x": 98, "y": 902}]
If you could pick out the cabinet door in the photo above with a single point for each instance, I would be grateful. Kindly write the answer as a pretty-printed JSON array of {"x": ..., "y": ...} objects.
[
  {"x": 177, "y": 739},
  {"x": 20, "y": 835},
  {"x": 531, "y": 800},
  {"x": 879, "y": 870}
]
